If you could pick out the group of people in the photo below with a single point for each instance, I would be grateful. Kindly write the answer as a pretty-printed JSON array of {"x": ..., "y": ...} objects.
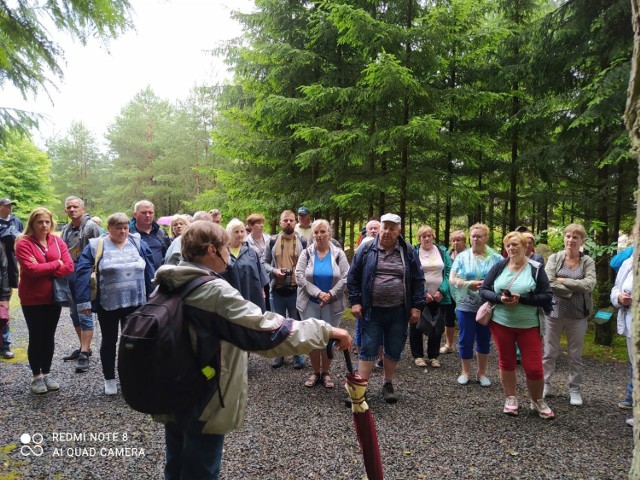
[{"x": 285, "y": 294}]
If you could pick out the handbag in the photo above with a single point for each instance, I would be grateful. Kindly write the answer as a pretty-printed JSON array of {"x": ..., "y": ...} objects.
[
  {"x": 431, "y": 323},
  {"x": 61, "y": 291},
  {"x": 94, "y": 271},
  {"x": 485, "y": 312}
]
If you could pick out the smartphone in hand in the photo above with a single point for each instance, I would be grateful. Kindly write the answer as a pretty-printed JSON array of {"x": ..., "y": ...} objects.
[{"x": 507, "y": 293}]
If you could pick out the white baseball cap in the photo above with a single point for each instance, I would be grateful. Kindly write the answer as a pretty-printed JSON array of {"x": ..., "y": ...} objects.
[{"x": 391, "y": 217}]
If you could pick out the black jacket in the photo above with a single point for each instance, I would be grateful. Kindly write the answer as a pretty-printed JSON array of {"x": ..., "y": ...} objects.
[{"x": 540, "y": 297}]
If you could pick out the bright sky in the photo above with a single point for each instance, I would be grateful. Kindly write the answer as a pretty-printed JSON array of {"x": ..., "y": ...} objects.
[{"x": 167, "y": 52}]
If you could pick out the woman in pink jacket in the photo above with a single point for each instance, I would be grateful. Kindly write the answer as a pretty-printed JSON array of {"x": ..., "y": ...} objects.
[{"x": 41, "y": 256}]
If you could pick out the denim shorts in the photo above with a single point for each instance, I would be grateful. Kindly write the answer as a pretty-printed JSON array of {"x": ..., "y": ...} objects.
[
  {"x": 390, "y": 323},
  {"x": 85, "y": 321}
]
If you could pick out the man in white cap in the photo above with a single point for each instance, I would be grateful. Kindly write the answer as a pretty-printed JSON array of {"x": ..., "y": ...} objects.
[
  {"x": 386, "y": 290},
  {"x": 10, "y": 228}
]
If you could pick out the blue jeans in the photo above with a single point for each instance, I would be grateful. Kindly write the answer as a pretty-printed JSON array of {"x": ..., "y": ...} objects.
[
  {"x": 192, "y": 455},
  {"x": 85, "y": 322},
  {"x": 629, "y": 396},
  {"x": 5, "y": 337},
  {"x": 472, "y": 332},
  {"x": 388, "y": 323},
  {"x": 284, "y": 305}
]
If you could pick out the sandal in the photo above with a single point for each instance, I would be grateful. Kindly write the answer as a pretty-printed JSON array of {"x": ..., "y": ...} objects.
[
  {"x": 326, "y": 380},
  {"x": 313, "y": 380}
]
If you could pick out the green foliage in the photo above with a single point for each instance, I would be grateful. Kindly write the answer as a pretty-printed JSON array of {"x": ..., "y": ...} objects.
[
  {"x": 25, "y": 171},
  {"x": 29, "y": 56},
  {"x": 78, "y": 167}
]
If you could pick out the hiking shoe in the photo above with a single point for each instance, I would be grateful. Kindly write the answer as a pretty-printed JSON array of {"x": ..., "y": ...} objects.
[
  {"x": 38, "y": 386},
  {"x": 547, "y": 392},
  {"x": 110, "y": 387},
  {"x": 575, "y": 399},
  {"x": 626, "y": 404},
  {"x": 484, "y": 381},
  {"x": 542, "y": 408},
  {"x": 435, "y": 363},
  {"x": 50, "y": 383},
  {"x": 420, "y": 362},
  {"x": 446, "y": 349},
  {"x": 83, "y": 363},
  {"x": 298, "y": 364},
  {"x": 7, "y": 353},
  {"x": 388, "y": 393},
  {"x": 75, "y": 355},
  {"x": 277, "y": 362},
  {"x": 511, "y": 406}
]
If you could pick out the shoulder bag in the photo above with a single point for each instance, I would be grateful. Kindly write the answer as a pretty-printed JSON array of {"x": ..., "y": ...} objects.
[{"x": 485, "y": 312}]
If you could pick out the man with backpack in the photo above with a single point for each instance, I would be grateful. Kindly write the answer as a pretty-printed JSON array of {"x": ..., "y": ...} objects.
[
  {"x": 223, "y": 326},
  {"x": 76, "y": 235}
]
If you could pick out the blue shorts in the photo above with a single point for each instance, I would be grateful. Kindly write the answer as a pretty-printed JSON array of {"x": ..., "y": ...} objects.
[{"x": 388, "y": 323}]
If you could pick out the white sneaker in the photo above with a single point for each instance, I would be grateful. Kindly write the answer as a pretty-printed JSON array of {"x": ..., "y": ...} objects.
[
  {"x": 110, "y": 387},
  {"x": 575, "y": 399},
  {"x": 542, "y": 408},
  {"x": 629, "y": 422},
  {"x": 446, "y": 349},
  {"x": 50, "y": 383},
  {"x": 511, "y": 406}
]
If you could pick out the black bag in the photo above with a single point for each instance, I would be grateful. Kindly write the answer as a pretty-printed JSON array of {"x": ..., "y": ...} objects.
[
  {"x": 61, "y": 292},
  {"x": 431, "y": 320},
  {"x": 159, "y": 371}
]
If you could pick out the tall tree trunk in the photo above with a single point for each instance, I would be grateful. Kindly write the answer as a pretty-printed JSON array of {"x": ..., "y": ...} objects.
[
  {"x": 632, "y": 120},
  {"x": 513, "y": 177}
]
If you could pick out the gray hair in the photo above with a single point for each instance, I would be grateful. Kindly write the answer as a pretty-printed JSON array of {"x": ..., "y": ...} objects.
[
  {"x": 233, "y": 223},
  {"x": 71, "y": 199},
  {"x": 143, "y": 203},
  {"x": 202, "y": 215}
]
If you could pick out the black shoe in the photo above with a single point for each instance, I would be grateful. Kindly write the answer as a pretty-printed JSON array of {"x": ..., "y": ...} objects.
[
  {"x": 83, "y": 363},
  {"x": 277, "y": 362},
  {"x": 75, "y": 355},
  {"x": 298, "y": 364},
  {"x": 388, "y": 393},
  {"x": 7, "y": 353}
]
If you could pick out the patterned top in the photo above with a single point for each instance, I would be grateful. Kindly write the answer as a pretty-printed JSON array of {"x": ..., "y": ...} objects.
[
  {"x": 519, "y": 316},
  {"x": 572, "y": 307},
  {"x": 122, "y": 281},
  {"x": 388, "y": 283},
  {"x": 467, "y": 267}
]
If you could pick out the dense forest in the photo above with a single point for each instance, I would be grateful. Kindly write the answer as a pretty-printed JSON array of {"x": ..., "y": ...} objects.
[{"x": 447, "y": 112}]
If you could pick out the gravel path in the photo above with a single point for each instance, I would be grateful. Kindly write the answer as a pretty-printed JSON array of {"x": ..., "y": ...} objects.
[{"x": 437, "y": 430}]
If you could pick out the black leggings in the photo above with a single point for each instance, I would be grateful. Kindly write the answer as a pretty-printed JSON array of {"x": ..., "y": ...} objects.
[
  {"x": 42, "y": 321},
  {"x": 109, "y": 321}
]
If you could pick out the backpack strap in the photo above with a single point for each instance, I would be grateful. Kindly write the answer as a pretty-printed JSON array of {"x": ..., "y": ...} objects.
[{"x": 184, "y": 291}]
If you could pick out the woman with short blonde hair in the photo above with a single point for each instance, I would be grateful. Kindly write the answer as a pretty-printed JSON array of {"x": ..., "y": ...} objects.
[{"x": 572, "y": 276}]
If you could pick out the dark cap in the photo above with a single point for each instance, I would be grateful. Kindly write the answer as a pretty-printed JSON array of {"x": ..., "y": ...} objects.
[
  {"x": 6, "y": 201},
  {"x": 303, "y": 211}
]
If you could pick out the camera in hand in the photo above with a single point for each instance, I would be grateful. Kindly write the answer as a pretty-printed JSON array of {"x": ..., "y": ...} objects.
[{"x": 286, "y": 282}]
